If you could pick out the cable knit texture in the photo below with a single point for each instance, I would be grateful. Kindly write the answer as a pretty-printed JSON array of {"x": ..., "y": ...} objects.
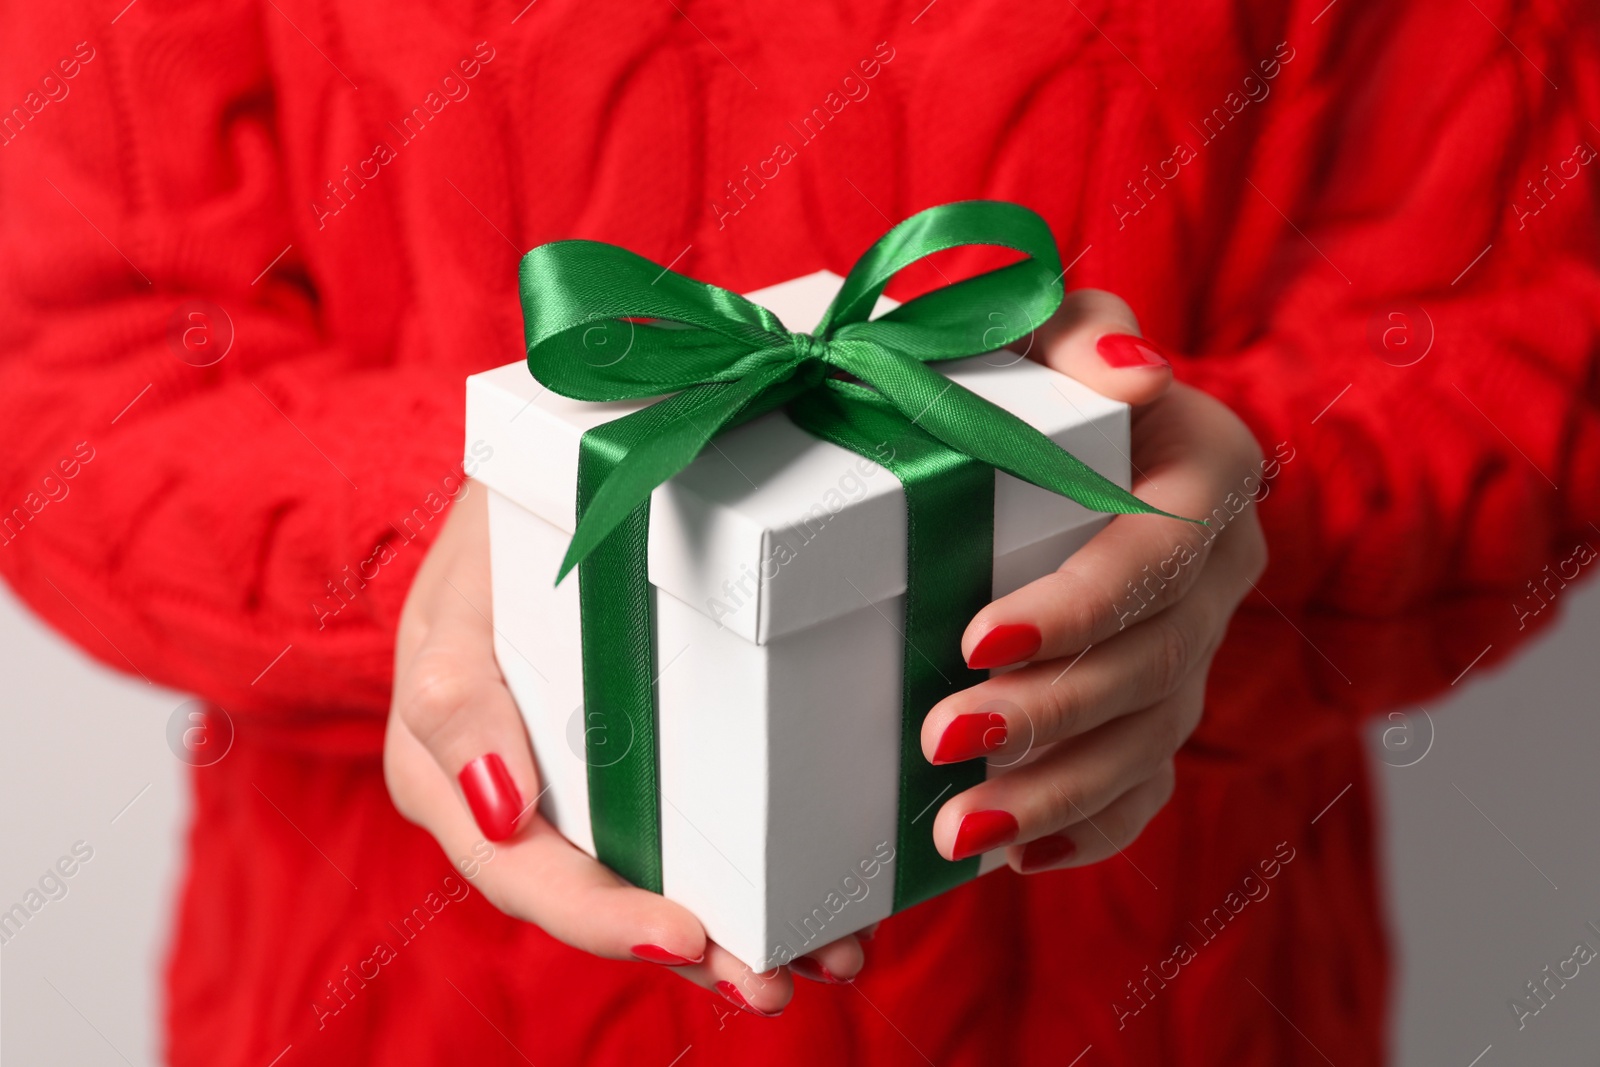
[{"x": 1267, "y": 183}]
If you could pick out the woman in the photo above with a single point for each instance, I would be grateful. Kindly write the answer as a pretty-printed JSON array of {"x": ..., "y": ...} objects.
[{"x": 252, "y": 251}]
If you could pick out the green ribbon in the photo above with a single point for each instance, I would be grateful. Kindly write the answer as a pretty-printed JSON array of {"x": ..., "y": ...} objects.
[
  {"x": 603, "y": 324},
  {"x": 949, "y": 571}
]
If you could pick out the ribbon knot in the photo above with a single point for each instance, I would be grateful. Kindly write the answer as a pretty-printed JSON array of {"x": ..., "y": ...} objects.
[
  {"x": 725, "y": 360},
  {"x": 809, "y": 349}
]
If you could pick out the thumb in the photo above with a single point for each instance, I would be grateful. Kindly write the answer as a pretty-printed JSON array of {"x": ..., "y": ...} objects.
[
  {"x": 448, "y": 690},
  {"x": 1094, "y": 337}
]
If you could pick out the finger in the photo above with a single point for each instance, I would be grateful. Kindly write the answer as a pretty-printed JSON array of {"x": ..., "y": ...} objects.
[
  {"x": 765, "y": 994},
  {"x": 834, "y": 963},
  {"x": 1112, "y": 830},
  {"x": 1095, "y": 338},
  {"x": 1069, "y": 782},
  {"x": 452, "y": 698},
  {"x": 541, "y": 877},
  {"x": 1138, "y": 564},
  {"x": 1014, "y": 712}
]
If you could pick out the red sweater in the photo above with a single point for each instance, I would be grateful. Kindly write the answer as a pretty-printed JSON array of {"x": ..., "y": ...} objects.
[{"x": 1298, "y": 197}]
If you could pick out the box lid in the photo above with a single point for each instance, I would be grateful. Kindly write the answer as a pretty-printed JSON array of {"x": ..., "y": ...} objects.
[{"x": 771, "y": 530}]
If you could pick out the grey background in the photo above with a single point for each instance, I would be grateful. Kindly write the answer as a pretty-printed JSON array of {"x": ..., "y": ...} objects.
[{"x": 1489, "y": 852}]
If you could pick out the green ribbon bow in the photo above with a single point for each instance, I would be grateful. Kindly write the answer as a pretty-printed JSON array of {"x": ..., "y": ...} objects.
[{"x": 604, "y": 324}]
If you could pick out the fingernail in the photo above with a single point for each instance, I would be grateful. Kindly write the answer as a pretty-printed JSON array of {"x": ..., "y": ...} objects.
[
  {"x": 806, "y": 967},
  {"x": 492, "y": 796},
  {"x": 1126, "y": 350},
  {"x": 731, "y": 994},
  {"x": 981, "y": 831},
  {"x": 1047, "y": 852},
  {"x": 1008, "y": 643},
  {"x": 657, "y": 954},
  {"x": 969, "y": 736},
  {"x": 867, "y": 933}
]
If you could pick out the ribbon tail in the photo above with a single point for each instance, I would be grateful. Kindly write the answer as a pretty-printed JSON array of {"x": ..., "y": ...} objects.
[
  {"x": 644, "y": 449},
  {"x": 619, "y": 463},
  {"x": 968, "y": 423}
]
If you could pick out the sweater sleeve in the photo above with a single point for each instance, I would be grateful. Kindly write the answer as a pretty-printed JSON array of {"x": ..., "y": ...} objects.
[
  {"x": 1423, "y": 248},
  {"x": 203, "y": 483}
]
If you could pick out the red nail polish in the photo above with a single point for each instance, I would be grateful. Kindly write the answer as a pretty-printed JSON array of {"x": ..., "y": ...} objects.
[
  {"x": 969, "y": 736},
  {"x": 657, "y": 954},
  {"x": 731, "y": 994},
  {"x": 1126, "y": 350},
  {"x": 981, "y": 831},
  {"x": 1008, "y": 643},
  {"x": 806, "y": 967},
  {"x": 492, "y": 796},
  {"x": 1047, "y": 852},
  {"x": 867, "y": 933}
]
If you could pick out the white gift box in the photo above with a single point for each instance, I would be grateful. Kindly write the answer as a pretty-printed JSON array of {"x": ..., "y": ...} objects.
[{"x": 777, "y": 564}]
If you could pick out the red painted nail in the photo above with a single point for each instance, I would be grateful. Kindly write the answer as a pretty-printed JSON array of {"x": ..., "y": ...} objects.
[
  {"x": 1008, "y": 643},
  {"x": 867, "y": 933},
  {"x": 969, "y": 736},
  {"x": 806, "y": 967},
  {"x": 657, "y": 954},
  {"x": 731, "y": 994},
  {"x": 1047, "y": 852},
  {"x": 1126, "y": 350},
  {"x": 492, "y": 796},
  {"x": 981, "y": 831}
]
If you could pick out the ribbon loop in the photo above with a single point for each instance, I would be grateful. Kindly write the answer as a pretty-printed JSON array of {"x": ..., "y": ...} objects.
[{"x": 967, "y": 222}]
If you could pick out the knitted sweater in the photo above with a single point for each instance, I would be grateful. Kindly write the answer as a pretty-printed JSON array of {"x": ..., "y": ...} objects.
[{"x": 250, "y": 252}]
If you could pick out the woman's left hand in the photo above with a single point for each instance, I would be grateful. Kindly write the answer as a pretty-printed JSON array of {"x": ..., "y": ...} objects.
[{"x": 1119, "y": 640}]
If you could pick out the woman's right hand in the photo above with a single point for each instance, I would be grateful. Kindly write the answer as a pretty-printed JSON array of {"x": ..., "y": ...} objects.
[{"x": 458, "y": 763}]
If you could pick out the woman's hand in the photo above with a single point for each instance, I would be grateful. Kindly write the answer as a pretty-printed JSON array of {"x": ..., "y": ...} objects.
[
  {"x": 458, "y": 763},
  {"x": 1118, "y": 641}
]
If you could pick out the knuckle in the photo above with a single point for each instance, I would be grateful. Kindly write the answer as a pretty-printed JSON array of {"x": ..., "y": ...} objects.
[
  {"x": 1235, "y": 439},
  {"x": 1119, "y": 826},
  {"x": 1066, "y": 804},
  {"x": 1166, "y": 782},
  {"x": 1168, "y": 734},
  {"x": 1138, "y": 815},
  {"x": 1060, "y": 711},
  {"x": 1176, "y": 649},
  {"x": 435, "y": 695},
  {"x": 1086, "y": 610},
  {"x": 1256, "y": 554},
  {"x": 1162, "y": 735}
]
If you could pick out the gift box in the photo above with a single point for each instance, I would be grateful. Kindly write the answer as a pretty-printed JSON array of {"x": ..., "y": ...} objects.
[{"x": 776, "y": 787}]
